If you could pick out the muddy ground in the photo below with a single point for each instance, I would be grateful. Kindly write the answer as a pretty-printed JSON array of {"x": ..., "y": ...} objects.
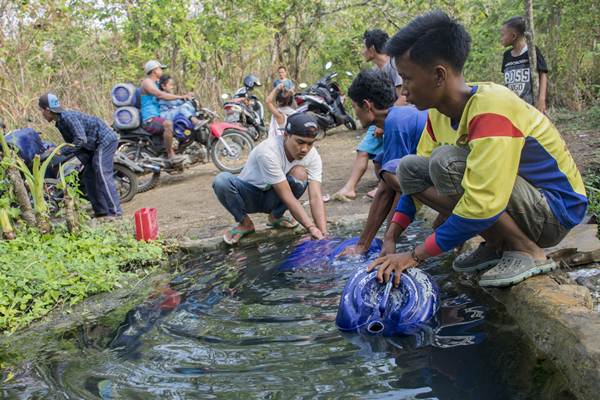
[{"x": 187, "y": 206}]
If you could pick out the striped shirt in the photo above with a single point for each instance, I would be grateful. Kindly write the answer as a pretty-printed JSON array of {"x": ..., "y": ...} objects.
[
  {"x": 84, "y": 131},
  {"x": 506, "y": 137}
]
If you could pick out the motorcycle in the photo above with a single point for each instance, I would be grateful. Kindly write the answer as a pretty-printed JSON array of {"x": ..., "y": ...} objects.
[
  {"x": 245, "y": 109},
  {"x": 326, "y": 100},
  {"x": 227, "y": 144},
  {"x": 125, "y": 176}
]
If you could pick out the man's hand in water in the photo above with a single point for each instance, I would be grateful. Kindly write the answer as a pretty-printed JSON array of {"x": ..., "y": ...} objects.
[
  {"x": 357, "y": 249},
  {"x": 392, "y": 263},
  {"x": 315, "y": 232}
]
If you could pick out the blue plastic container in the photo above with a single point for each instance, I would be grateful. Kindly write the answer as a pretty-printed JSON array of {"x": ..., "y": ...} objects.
[
  {"x": 368, "y": 306},
  {"x": 124, "y": 94},
  {"x": 321, "y": 253},
  {"x": 126, "y": 118}
]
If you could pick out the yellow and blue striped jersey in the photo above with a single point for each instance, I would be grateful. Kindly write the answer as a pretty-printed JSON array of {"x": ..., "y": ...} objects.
[{"x": 506, "y": 137}]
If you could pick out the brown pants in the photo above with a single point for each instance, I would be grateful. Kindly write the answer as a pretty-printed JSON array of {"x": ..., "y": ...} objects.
[{"x": 445, "y": 169}]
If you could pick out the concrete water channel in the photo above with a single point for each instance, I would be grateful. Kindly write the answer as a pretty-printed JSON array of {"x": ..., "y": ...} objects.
[{"x": 229, "y": 324}]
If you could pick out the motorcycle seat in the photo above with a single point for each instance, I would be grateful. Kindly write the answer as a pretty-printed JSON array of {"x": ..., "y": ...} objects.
[{"x": 137, "y": 132}]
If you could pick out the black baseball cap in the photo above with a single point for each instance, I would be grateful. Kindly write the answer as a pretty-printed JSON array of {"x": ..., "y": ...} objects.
[
  {"x": 50, "y": 101},
  {"x": 302, "y": 124}
]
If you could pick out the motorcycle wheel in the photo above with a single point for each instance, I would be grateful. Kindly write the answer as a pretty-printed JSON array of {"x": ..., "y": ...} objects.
[
  {"x": 147, "y": 180},
  {"x": 52, "y": 194},
  {"x": 240, "y": 144},
  {"x": 125, "y": 182},
  {"x": 349, "y": 123}
]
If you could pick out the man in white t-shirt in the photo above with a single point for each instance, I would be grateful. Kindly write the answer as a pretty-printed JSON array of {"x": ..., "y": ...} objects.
[{"x": 277, "y": 173}]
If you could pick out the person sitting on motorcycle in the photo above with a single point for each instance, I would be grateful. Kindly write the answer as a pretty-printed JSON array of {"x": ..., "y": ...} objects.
[
  {"x": 277, "y": 173},
  {"x": 94, "y": 144},
  {"x": 150, "y": 112},
  {"x": 283, "y": 96},
  {"x": 170, "y": 108},
  {"x": 282, "y": 72}
]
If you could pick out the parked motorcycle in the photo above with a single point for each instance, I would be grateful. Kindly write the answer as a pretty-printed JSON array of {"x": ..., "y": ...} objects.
[
  {"x": 245, "y": 108},
  {"x": 326, "y": 100},
  {"x": 227, "y": 144},
  {"x": 125, "y": 176}
]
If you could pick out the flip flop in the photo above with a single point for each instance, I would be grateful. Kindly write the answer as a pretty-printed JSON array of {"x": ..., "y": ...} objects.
[
  {"x": 236, "y": 231},
  {"x": 283, "y": 222}
]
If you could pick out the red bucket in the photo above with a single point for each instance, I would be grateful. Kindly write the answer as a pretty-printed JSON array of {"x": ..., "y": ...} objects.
[{"x": 146, "y": 224}]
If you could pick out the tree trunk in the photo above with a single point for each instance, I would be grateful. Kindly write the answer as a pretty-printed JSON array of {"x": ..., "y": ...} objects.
[
  {"x": 22, "y": 196},
  {"x": 529, "y": 36},
  {"x": 70, "y": 213}
]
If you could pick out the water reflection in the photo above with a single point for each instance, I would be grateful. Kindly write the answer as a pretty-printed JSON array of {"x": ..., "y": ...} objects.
[{"x": 237, "y": 326}]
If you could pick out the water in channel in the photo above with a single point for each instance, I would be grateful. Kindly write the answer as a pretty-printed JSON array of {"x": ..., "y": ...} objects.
[{"x": 232, "y": 326}]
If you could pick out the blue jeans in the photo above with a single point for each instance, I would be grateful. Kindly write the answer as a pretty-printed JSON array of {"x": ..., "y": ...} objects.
[
  {"x": 98, "y": 179},
  {"x": 241, "y": 198}
]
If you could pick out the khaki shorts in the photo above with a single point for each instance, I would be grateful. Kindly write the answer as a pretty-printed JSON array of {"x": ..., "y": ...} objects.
[{"x": 444, "y": 170}]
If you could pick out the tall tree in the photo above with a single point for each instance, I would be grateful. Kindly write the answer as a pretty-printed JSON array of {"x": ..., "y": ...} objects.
[{"x": 529, "y": 37}]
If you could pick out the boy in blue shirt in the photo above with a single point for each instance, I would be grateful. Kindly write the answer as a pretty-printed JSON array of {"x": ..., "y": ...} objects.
[{"x": 373, "y": 100}]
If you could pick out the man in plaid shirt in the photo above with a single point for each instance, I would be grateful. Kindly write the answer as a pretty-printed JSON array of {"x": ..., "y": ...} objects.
[{"x": 94, "y": 144}]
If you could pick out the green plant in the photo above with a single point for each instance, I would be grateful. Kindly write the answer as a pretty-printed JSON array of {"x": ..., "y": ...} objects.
[
  {"x": 71, "y": 199},
  {"x": 41, "y": 272},
  {"x": 35, "y": 180},
  {"x": 12, "y": 184},
  {"x": 592, "y": 185}
]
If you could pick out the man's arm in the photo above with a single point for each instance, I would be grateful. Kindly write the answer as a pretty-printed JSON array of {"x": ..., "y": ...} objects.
[
  {"x": 284, "y": 192},
  {"x": 77, "y": 131},
  {"x": 380, "y": 208},
  {"x": 317, "y": 206},
  {"x": 541, "y": 102},
  {"x": 150, "y": 87},
  {"x": 270, "y": 100}
]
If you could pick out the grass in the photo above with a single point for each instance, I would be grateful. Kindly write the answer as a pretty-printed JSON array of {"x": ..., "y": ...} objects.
[
  {"x": 586, "y": 119},
  {"x": 41, "y": 272}
]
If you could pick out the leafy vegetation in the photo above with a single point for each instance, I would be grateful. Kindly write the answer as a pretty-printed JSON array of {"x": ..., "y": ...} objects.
[{"x": 41, "y": 272}]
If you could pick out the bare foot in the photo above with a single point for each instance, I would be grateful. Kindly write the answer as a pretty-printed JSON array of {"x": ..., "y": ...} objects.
[
  {"x": 344, "y": 195},
  {"x": 372, "y": 193}
]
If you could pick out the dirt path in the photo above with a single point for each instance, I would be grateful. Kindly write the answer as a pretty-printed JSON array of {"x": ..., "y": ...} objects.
[{"x": 187, "y": 205}]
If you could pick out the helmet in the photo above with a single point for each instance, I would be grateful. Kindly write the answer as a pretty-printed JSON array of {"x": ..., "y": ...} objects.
[{"x": 250, "y": 81}]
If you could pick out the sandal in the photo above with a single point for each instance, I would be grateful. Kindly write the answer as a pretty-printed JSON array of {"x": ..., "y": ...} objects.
[
  {"x": 283, "y": 222},
  {"x": 515, "y": 267},
  {"x": 235, "y": 231}
]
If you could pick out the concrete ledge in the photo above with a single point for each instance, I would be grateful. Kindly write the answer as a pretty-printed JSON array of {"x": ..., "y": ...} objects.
[{"x": 560, "y": 322}]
